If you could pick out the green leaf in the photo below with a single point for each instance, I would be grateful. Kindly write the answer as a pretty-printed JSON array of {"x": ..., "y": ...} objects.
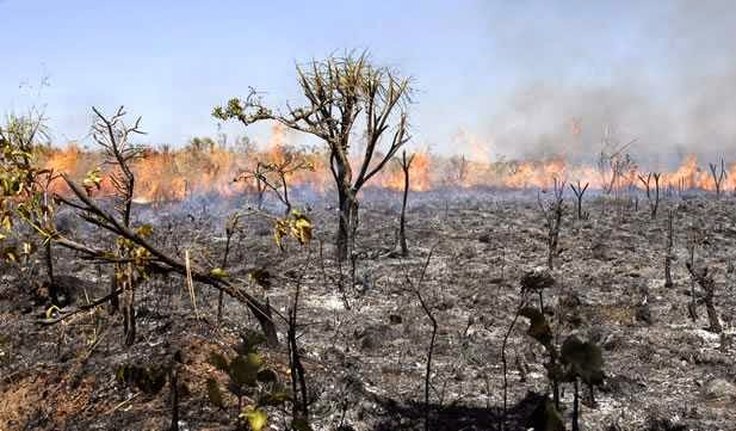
[
  {"x": 255, "y": 360},
  {"x": 93, "y": 179},
  {"x": 257, "y": 418},
  {"x": 219, "y": 273},
  {"x": 583, "y": 359},
  {"x": 244, "y": 369},
  {"x": 250, "y": 342}
]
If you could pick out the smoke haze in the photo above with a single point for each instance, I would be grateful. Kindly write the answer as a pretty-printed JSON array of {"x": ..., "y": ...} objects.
[{"x": 667, "y": 80}]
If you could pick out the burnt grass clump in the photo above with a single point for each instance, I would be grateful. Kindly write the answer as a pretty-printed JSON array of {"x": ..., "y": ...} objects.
[{"x": 362, "y": 337}]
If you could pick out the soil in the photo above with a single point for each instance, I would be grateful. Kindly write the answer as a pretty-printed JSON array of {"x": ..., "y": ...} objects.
[{"x": 364, "y": 339}]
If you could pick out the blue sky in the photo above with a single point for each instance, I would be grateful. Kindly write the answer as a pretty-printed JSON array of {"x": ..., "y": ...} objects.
[{"x": 507, "y": 73}]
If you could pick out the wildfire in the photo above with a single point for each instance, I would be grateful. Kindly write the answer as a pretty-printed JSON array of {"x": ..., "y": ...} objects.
[
  {"x": 420, "y": 179},
  {"x": 166, "y": 174}
]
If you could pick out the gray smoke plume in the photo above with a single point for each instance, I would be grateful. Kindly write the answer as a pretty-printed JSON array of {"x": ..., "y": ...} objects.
[{"x": 673, "y": 89}]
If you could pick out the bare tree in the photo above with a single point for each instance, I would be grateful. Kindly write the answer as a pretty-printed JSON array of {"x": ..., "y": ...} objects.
[
  {"x": 504, "y": 361},
  {"x": 614, "y": 163},
  {"x": 458, "y": 170},
  {"x": 138, "y": 256},
  {"x": 300, "y": 394},
  {"x": 112, "y": 134},
  {"x": 151, "y": 257},
  {"x": 231, "y": 227},
  {"x": 579, "y": 191},
  {"x": 718, "y": 176},
  {"x": 405, "y": 167},
  {"x": 695, "y": 238},
  {"x": 706, "y": 282},
  {"x": 416, "y": 287},
  {"x": 553, "y": 220},
  {"x": 346, "y": 97},
  {"x": 668, "y": 251},
  {"x": 274, "y": 175},
  {"x": 652, "y": 180}
]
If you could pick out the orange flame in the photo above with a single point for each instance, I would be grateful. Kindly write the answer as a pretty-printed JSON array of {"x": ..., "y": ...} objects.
[{"x": 166, "y": 174}]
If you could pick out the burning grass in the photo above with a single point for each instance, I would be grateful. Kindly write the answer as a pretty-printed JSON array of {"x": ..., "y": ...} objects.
[{"x": 166, "y": 174}]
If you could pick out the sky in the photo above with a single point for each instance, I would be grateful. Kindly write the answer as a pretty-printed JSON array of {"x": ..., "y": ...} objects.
[{"x": 492, "y": 78}]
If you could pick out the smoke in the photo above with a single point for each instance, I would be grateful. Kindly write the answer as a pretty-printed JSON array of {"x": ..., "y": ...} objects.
[{"x": 660, "y": 73}]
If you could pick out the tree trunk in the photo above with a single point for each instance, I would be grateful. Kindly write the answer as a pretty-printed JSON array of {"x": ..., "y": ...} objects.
[
  {"x": 402, "y": 221},
  {"x": 129, "y": 315},
  {"x": 262, "y": 313},
  {"x": 128, "y": 281},
  {"x": 347, "y": 223},
  {"x": 118, "y": 268},
  {"x": 173, "y": 384},
  {"x": 261, "y": 190},
  {"x": 715, "y": 324},
  {"x": 221, "y": 297},
  {"x": 668, "y": 254}
]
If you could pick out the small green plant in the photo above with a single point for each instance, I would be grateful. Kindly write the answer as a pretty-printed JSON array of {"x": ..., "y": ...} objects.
[
  {"x": 581, "y": 361},
  {"x": 248, "y": 378},
  {"x": 574, "y": 362},
  {"x": 25, "y": 192}
]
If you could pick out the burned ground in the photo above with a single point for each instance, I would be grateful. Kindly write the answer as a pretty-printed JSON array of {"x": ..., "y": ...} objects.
[{"x": 364, "y": 345}]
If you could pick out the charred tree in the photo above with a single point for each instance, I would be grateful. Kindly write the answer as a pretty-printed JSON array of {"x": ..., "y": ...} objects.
[
  {"x": 300, "y": 401},
  {"x": 668, "y": 251},
  {"x": 345, "y": 97},
  {"x": 614, "y": 162},
  {"x": 405, "y": 168},
  {"x": 153, "y": 259},
  {"x": 695, "y": 237},
  {"x": 553, "y": 220},
  {"x": 416, "y": 287},
  {"x": 651, "y": 181},
  {"x": 231, "y": 228},
  {"x": 504, "y": 363},
  {"x": 579, "y": 191},
  {"x": 111, "y": 134},
  {"x": 708, "y": 284},
  {"x": 134, "y": 256},
  {"x": 718, "y": 176},
  {"x": 274, "y": 175}
]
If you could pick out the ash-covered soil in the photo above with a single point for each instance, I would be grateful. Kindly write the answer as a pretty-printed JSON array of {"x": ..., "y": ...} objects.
[{"x": 364, "y": 338}]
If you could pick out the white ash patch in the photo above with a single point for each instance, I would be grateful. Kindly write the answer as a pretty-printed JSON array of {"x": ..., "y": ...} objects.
[{"x": 329, "y": 301}]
